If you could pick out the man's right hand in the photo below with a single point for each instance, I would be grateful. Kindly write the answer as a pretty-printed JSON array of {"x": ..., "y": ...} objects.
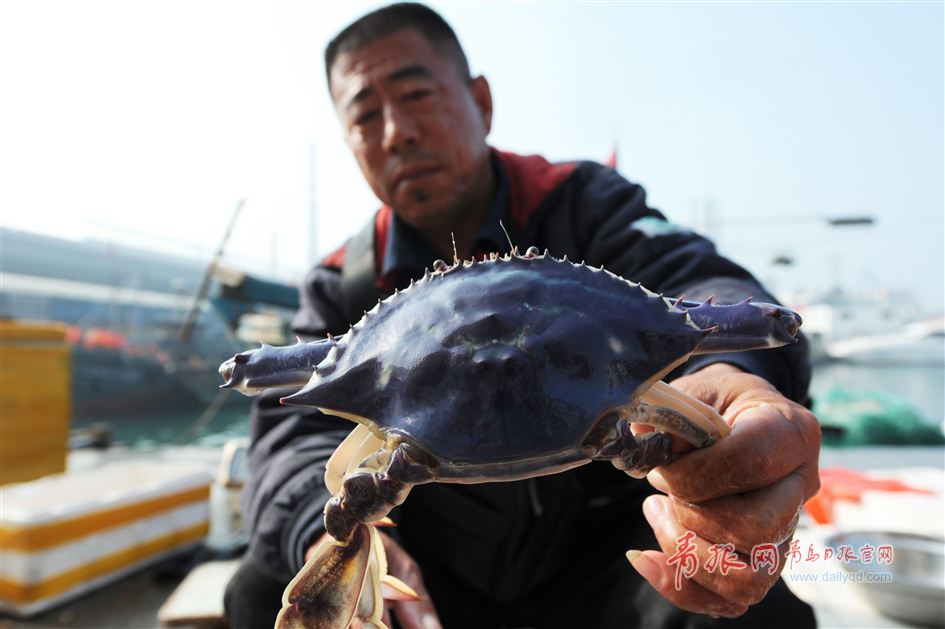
[{"x": 419, "y": 614}]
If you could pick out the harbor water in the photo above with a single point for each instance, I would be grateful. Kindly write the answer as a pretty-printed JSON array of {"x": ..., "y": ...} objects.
[
  {"x": 195, "y": 426},
  {"x": 921, "y": 387}
]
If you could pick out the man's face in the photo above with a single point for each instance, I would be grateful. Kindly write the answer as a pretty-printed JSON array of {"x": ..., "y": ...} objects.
[{"x": 416, "y": 126}]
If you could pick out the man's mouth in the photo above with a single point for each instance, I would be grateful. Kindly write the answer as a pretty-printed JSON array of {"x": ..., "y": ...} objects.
[{"x": 413, "y": 173}]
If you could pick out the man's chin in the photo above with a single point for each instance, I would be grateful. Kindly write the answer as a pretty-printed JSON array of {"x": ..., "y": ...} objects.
[
  {"x": 425, "y": 217},
  {"x": 422, "y": 209},
  {"x": 414, "y": 199}
]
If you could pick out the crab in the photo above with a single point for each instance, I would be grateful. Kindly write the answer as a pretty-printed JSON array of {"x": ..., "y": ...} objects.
[{"x": 496, "y": 370}]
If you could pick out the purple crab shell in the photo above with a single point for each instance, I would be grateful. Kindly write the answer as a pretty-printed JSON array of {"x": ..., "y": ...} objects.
[{"x": 501, "y": 360}]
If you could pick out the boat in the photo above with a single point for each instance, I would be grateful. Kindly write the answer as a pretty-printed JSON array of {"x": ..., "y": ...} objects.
[
  {"x": 124, "y": 308},
  {"x": 852, "y": 327},
  {"x": 920, "y": 343}
]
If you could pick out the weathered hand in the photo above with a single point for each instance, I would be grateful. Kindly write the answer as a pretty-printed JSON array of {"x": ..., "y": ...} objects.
[
  {"x": 419, "y": 614},
  {"x": 411, "y": 614},
  {"x": 746, "y": 490}
]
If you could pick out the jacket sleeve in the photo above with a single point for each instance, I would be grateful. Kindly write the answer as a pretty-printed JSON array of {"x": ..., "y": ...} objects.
[
  {"x": 617, "y": 229},
  {"x": 284, "y": 497}
]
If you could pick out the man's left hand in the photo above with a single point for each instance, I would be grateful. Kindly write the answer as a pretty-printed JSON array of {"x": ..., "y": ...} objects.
[{"x": 747, "y": 489}]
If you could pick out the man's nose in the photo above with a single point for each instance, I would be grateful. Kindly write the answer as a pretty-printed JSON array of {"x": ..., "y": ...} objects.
[{"x": 400, "y": 130}]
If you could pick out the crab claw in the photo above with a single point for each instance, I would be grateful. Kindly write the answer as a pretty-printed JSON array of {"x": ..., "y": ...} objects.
[
  {"x": 744, "y": 326},
  {"x": 325, "y": 592},
  {"x": 232, "y": 370},
  {"x": 785, "y": 322},
  {"x": 255, "y": 370}
]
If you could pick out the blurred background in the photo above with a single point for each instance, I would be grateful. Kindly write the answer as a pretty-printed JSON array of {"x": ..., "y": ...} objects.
[
  {"x": 170, "y": 171},
  {"x": 805, "y": 139}
]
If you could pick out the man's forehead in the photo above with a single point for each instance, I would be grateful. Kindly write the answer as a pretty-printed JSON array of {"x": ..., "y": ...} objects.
[
  {"x": 398, "y": 56},
  {"x": 354, "y": 87}
]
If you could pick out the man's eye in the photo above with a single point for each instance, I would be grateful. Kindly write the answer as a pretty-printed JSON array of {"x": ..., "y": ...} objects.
[
  {"x": 417, "y": 94},
  {"x": 366, "y": 117}
]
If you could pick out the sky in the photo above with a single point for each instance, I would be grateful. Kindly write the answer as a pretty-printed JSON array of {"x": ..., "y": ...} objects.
[{"x": 147, "y": 122}]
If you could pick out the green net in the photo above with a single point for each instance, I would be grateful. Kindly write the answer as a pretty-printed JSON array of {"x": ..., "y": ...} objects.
[{"x": 856, "y": 418}]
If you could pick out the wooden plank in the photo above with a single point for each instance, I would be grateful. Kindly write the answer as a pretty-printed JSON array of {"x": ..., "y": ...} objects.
[{"x": 198, "y": 600}]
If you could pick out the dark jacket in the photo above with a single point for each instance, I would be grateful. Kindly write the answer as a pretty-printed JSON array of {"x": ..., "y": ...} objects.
[{"x": 496, "y": 538}]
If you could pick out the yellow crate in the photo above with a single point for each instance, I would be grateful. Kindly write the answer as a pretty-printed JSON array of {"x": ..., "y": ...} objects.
[
  {"x": 66, "y": 534},
  {"x": 32, "y": 331},
  {"x": 35, "y": 400}
]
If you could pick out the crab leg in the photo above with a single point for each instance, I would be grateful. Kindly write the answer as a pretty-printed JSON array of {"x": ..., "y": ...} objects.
[
  {"x": 699, "y": 413},
  {"x": 359, "y": 443},
  {"x": 325, "y": 592},
  {"x": 347, "y": 574},
  {"x": 379, "y": 586},
  {"x": 669, "y": 412},
  {"x": 370, "y": 610},
  {"x": 341, "y": 582}
]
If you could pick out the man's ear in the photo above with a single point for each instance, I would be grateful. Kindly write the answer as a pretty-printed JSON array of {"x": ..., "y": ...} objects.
[{"x": 482, "y": 96}]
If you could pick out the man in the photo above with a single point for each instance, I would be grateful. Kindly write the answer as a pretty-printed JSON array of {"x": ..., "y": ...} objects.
[{"x": 546, "y": 552}]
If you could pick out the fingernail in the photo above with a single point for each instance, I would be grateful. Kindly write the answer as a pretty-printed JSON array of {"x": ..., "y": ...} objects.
[
  {"x": 655, "y": 478},
  {"x": 645, "y": 566},
  {"x": 429, "y": 621},
  {"x": 654, "y": 510}
]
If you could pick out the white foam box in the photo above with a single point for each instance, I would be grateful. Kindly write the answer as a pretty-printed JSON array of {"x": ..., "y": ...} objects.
[{"x": 67, "y": 534}]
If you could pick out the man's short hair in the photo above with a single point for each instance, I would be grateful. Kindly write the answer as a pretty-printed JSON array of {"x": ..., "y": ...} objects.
[{"x": 390, "y": 19}]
